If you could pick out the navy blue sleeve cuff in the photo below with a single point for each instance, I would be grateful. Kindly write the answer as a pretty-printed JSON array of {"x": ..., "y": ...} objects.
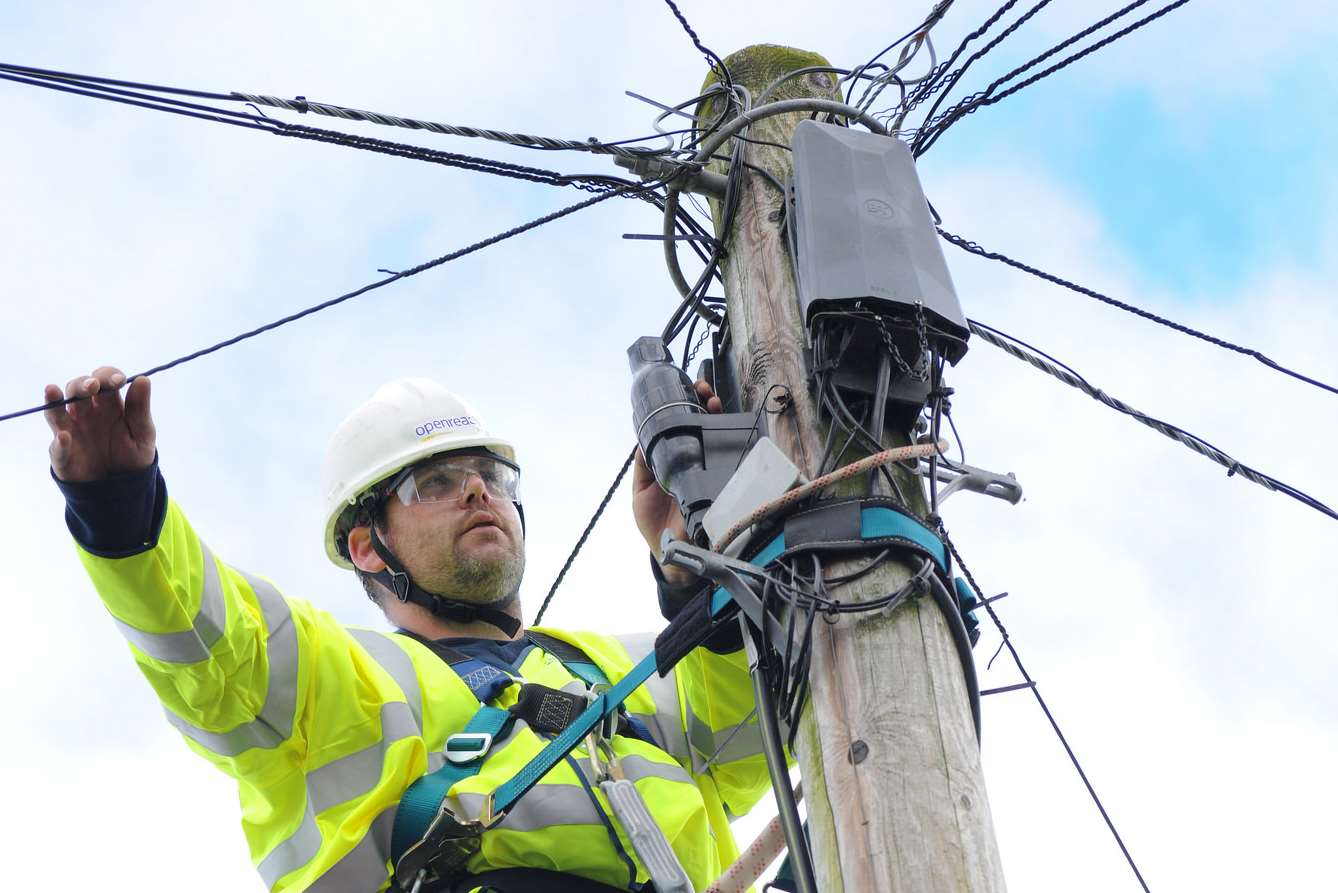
[
  {"x": 673, "y": 598},
  {"x": 117, "y": 516}
]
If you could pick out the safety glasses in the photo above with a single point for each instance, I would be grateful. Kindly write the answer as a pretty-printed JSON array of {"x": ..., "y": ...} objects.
[{"x": 443, "y": 478}]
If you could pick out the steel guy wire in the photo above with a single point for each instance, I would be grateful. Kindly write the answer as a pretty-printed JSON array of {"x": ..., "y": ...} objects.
[
  {"x": 316, "y": 308},
  {"x": 302, "y": 105},
  {"x": 973, "y": 248},
  {"x": 1063, "y": 63},
  {"x": 1049, "y": 365},
  {"x": 1007, "y": 642}
]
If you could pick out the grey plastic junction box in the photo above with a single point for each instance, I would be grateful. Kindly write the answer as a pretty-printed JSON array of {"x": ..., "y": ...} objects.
[{"x": 860, "y": 230}]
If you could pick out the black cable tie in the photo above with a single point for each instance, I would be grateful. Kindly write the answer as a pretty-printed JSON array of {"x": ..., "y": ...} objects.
[{"x": 302, "y": 104}]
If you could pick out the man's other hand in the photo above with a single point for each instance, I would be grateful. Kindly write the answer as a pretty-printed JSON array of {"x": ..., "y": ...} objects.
[
  {"x": 656, "y": 510},
  {"x": 102, "y": 435}
]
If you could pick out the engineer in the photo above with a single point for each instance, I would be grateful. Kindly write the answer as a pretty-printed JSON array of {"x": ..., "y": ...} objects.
[{"x": 325, "y": 727}]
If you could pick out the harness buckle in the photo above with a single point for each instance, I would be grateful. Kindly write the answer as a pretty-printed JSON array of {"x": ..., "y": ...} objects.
[
  {"x": 442, "y": 852},
  {"x": 466, "y": 747}
]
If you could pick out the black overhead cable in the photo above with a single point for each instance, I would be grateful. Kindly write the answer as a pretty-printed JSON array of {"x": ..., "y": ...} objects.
[
  {"x": 157, "y": 103},
  {"x": 923, "y": 143},
  {"x": 973, "y": 248},
  {"x": 717, "y": 64},
  {"x": 302, "y": 105},
  {"x": 1028, "y": 65},
  {"x": 585, "y": 534},
  {"x": 404, "y": 274},
  {"x": 951, "y": 79},
  {"x": 935, "y": 80},
  {"x": 591, "y": 183},
  {"x": 1043, "y": 361},
  {"x": 1007, "y": 642},
  {"x": 100, "y": 88}
]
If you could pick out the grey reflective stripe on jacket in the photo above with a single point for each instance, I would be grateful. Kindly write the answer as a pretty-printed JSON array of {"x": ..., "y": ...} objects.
[
  {"x": 724, "y": 745},
  {"x": 552, "y": 805},
  {"x": 665, "y": 724},
  {"x": 190, "y": 645},
  {"x": 366, "y": 866},
  {"x": 338, "y": 782},
  {"x": 274, "y": 723},
  {"x": 395, "y": 661}
]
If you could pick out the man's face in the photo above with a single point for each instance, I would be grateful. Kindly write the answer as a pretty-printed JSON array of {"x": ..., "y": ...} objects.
[{"x": 468, "y": 547}]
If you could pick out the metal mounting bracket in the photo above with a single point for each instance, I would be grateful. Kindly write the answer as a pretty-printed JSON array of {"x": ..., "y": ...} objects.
[{"x": 959, "y": 476}]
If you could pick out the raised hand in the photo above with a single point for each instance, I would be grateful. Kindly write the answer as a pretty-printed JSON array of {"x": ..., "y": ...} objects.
[{"x": 102, "y": 435}]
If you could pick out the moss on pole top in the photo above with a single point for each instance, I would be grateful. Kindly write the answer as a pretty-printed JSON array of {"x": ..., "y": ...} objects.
[{"x": 755, "y": 67}]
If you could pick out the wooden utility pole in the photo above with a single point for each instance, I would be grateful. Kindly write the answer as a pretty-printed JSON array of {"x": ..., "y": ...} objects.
[{"x": 891, "y": 766}]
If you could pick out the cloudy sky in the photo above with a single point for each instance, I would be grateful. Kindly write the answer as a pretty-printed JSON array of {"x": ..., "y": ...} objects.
[{"x": 1178, "y": 621}]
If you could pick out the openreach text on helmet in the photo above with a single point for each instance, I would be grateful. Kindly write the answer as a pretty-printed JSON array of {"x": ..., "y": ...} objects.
[{"x": 464, "y": 421}]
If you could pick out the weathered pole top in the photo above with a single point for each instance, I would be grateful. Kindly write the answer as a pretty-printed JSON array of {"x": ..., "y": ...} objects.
[{"x": 756, "y": 67}]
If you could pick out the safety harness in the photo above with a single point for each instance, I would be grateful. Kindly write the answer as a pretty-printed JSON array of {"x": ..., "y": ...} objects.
[
  {"x": 545, "y": 710},
  {"x": 429, "y": 841}
]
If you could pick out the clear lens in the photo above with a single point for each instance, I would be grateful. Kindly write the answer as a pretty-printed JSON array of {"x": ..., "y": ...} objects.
[{"x": 444, "y": 478}]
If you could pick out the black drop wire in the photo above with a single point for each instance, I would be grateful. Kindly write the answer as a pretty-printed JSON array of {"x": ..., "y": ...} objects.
[
  {"x": 1039, "y": 359},
  {"x": 936, "y": 80},
  {"x": 316, "y": 308},
  {"x": 929, "y": 123},
  {"x": 717, "y": 64},
  {"x": 973, "y": 248},
  {"x": 952, "y": 78},
  {"x": 925, "y": 144},
  {"x": 585, "y": 534},
  {"x": 142, "y": 100},
  {"x": 1045, "y": 708},
  {"x": 48, "y": 73}
]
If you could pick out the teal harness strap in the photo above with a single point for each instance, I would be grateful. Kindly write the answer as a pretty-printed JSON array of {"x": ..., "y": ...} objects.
[
  {"x": 879, "y": 521},
  {"x": 876, "y": 522},
  {"x": 576, "y": 661},
  {"x": 465, "y": 750},
  {"x": 601, "y": 707},
  {"x": 419, "y": 805}
]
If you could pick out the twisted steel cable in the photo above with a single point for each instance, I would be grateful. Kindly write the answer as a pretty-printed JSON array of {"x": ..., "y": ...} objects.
[
  {"x": 301, "y": 105},
  {"x": 976, "y": 249},
  {"x": 1036, "y": 358}
]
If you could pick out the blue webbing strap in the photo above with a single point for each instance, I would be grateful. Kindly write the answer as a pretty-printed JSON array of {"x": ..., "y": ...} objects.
[
  {"x": 876, "y": 522},
  {"x": 419, "y": 805},
  {"x": 563, "y": 743},
  {"x": 576, "y": 661}
]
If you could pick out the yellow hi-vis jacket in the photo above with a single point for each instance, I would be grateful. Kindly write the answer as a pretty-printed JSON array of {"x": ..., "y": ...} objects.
[{"x": 324, "y": 727}]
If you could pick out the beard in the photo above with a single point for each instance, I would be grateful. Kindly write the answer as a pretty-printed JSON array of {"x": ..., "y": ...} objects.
[{"x": 484, "y": 581}]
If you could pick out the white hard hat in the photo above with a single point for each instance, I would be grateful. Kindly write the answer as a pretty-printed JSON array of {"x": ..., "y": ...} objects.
[{"x": 404, "y": 421}]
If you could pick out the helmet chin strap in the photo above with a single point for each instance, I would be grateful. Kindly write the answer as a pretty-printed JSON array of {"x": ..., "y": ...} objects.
[{"x": 397, "y": 580}]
